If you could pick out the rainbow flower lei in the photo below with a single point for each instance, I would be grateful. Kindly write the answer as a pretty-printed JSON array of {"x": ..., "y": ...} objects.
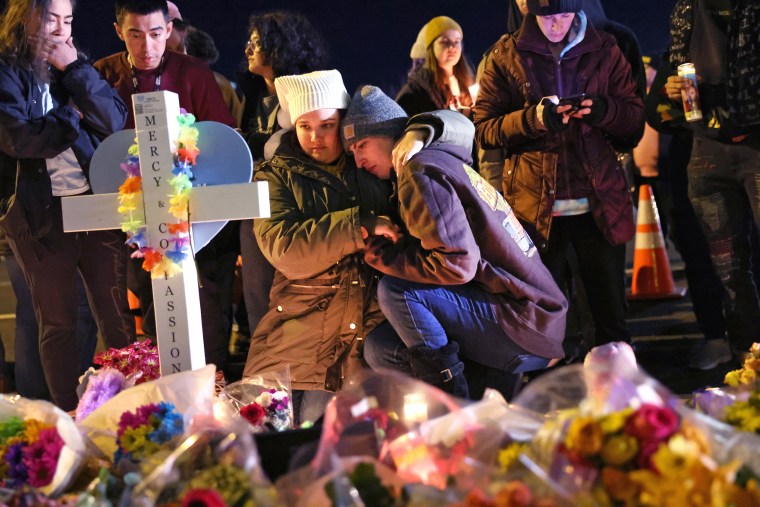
[
  {"x": 130, "y": 194},
  {"x": 30, "y": 450}
]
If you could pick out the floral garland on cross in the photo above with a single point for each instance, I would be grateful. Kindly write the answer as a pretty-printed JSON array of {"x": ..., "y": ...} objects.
[{"x": 130, "y": 193}]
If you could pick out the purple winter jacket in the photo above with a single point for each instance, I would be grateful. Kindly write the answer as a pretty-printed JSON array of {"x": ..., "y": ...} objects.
[
  {"x": 521, "y": 69},
  {"x": 460, "y": 230}
]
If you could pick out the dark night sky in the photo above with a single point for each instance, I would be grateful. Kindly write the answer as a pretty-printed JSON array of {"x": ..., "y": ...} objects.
[{"x": 369, "y": 40}]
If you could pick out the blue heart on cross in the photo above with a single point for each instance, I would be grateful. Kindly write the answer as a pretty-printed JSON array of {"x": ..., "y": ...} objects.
[{"x": 224, "y": 158}]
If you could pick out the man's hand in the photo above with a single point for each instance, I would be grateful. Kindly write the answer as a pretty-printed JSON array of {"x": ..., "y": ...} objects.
[
  {"x": 56, "y": 53},
  {"x": 675, "y": 84},
  {"x": 407, "y": 147},
  {"x": 385, "y": 227}
]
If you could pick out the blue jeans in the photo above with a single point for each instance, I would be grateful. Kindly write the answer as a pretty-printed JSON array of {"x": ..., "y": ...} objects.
[
  {"x": 724, "y": 188},
  {"x": 432, "y": 315}
]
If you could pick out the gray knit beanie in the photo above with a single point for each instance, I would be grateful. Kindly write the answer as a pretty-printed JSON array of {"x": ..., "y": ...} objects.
[
  {"x": 550, "y": 7},
  {"x": 372, "y": 114}
]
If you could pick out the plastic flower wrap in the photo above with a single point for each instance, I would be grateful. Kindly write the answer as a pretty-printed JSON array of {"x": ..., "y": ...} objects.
[
  {"x": 263, "y": 400},
  {"x": 216, "y": 465},
  {"x": 403, "y": 425},
  {"x": 190, "y": 392},
  {"x": 40, "y": 446},
  {"x": 625, "y": 440}
]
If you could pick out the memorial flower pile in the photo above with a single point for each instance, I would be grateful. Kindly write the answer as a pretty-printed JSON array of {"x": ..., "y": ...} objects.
[
  {"x": 148, "y": 430},
  {"x": 270, "y": 410},
  {"x": 30, "y": 450},
  {"x": 647, "y": 456}
]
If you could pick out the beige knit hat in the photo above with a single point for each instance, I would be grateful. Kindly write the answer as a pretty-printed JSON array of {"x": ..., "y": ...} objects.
[
  {"x": 418, "y": 48},
  {"x": 304, "y": 93},
  {"x": 437, "y": 26}
]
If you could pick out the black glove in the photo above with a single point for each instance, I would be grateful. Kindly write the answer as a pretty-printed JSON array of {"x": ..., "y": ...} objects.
[
  {"x": 598, "y": 110},
  {"x": 551, "y": 119}
]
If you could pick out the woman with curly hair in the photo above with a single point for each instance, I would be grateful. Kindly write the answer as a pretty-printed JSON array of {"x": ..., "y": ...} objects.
[
  {"x": 281, "y": 43},
  {"x": 445, "y": 78}
]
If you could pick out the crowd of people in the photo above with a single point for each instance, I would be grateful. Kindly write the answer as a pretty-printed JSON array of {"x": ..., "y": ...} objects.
[{"x": 444, "y": 234}]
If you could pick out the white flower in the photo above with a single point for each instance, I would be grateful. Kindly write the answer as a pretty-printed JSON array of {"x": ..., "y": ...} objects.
[
  {"x": 278, "y": 395},
  {"x": 264, "y": 399}
]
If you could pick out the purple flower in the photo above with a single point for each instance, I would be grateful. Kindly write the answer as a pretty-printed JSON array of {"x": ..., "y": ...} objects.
[
  {"x": 131, "y": 166},
  {"x": 17, "y": 472},
  {"x": 102, "y": 386}
]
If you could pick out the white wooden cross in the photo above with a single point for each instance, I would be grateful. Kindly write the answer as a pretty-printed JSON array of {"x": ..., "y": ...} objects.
[{"x": 176, "y": 300}]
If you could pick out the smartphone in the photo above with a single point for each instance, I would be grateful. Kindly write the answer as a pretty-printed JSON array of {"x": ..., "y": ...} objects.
[{"x": 574, "y": 101}]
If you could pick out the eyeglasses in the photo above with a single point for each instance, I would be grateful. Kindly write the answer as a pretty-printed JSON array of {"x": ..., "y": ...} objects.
[
  {"x": 253, "y": 45},
  {"x": 446, "y": 43}
]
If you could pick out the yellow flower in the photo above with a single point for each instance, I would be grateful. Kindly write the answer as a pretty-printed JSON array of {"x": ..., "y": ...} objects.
[
  {"x": 32, "y": 428},
  {"x": 619, "y": 449},
  {"x": 615, "y": 421},
  {"x": 657, "y": 490},
  {"x": 508, "y": 456},
  {"x": 748, "y": 377},
  {"x": 676, "y": 459},
  {"x": 732, "y": 377},
  {"x": 585, "y": 436}
]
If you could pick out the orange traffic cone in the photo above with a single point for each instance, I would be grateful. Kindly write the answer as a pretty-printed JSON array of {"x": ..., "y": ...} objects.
[
  {"x": 134, "y": 307},
  {"x": 652, "y": 278}
]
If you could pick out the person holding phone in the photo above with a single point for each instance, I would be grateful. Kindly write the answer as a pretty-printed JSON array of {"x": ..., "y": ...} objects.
[{"x": 562, "y": 177}]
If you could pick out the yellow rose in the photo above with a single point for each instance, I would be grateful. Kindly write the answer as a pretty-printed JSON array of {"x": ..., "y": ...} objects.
[{"x": 619, "y": 449}]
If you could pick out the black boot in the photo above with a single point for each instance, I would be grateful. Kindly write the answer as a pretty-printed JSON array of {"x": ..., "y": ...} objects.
[{"x": 440, "y": 368}]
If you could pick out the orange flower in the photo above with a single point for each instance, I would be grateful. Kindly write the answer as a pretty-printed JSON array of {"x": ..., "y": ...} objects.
[
  {"x": 514, "y": 494},
  {"x": 180, "y": 227},
  {"x": 188, "y": 155},
  {"x": 585, "y": 436},
  {"x": 619, "y": 485},
  {"x": 131, "y": 185},
  {"x": 151, "y": 259}
]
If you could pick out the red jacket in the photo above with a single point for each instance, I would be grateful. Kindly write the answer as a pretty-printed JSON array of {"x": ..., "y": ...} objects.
[
  {"x": 520, "y": 71},
  {"x": 184, "y": 75}
]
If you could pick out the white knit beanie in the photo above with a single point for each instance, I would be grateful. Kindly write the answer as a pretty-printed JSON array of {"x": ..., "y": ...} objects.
[{"x": 304, "y": 93}]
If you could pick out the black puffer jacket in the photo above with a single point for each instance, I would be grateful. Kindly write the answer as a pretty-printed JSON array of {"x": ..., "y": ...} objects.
[{"x": 28, "y": 135}]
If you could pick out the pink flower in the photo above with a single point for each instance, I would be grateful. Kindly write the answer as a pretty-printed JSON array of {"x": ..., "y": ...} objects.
[
  {"x": 41, "y": 457},
  {"x": 203, "y": 498},
  {"x": 652, "y": 423}
]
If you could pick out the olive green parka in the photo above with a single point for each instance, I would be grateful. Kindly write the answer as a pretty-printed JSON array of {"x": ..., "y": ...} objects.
[{"x": 323, "y": 300}]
